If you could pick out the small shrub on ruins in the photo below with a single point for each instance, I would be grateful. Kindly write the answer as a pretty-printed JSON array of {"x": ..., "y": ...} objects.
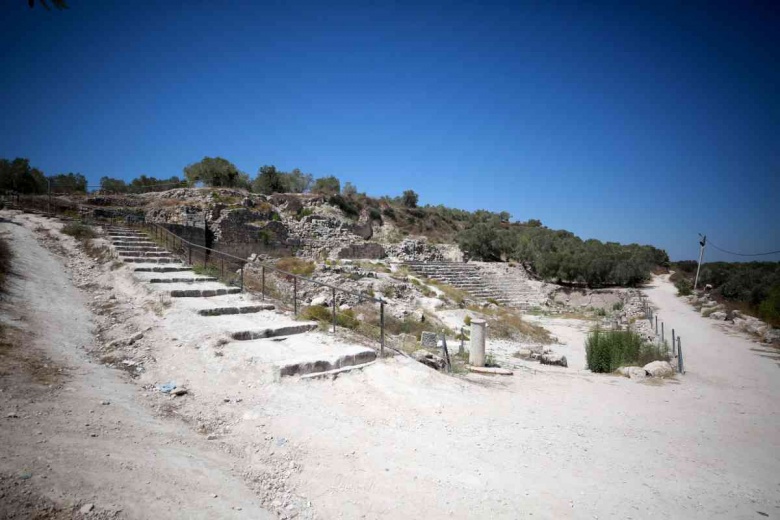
[
  {"x": 389, "y": 212},
  {"x": 79, "y": 231},
  {"x": 601, "y": 312},
  {"x": 467, "y": 321},
  {"x": 303, "y": 212},
  {"x": 347, "y": 205},
  {"x": 375, "y": 214},
  {"x": 388, "y": 291},
  {"x": 608, "y": 350},
  {"x": 617, "y": 306},
  {"x": 294, "y": 265}
]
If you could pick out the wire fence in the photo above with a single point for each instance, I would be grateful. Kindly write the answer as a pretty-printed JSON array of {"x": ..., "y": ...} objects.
[{"x": 659, "y": 326}]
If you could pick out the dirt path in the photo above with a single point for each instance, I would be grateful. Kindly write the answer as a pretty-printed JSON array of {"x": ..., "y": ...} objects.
[{"x": 80, "y": 436}]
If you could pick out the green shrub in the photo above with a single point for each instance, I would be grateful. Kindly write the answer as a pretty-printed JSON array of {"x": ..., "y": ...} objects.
[
  {"x": 608, "y": 350},
  {"x": 324, "y": 315},
  {"x": 617, "y": 306},
  {"x": 348, "y": 206},
  {"x": 684, "y": 287},
  {"x": 6, "y": 255},
  {"x": 375, "y": 214},
  {"x": 601, "y": 312},
  {"x": 79, "y": 231},
  {"x": 769, "y": 310},
  {"x": 467, "y": 321}
]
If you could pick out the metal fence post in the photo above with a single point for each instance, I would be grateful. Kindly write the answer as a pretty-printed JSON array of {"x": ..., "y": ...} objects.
[
  {"x": 662, "y": 332},
  {"x": 381, "y": 329},
  {"x": 242, "y": 277},
  {"x": 295, "y": 294},
  {"x": 189, "y": 249},
  {"x": 333, "y": 304},
  {"x": 680, "y": 366},
  {"x": 262, "y": 283}
]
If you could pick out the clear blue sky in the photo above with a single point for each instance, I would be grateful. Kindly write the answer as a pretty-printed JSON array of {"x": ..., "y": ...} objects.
[{"x": 634, "y": 124}]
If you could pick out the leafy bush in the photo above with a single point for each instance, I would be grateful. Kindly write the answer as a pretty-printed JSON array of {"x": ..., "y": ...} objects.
[
  {"x": 79, "y": 231},
  {"x": 467, "y": 320},
  {"x": 348, "y": 206},
  {"x": 6, "y": 255},
  {"x": 769, "y": 310},
  {"x": 375, "y": 214},
  {"x": 294, "y": 265},
  {"x": 608, "y": 350},
  {"x": 617, "y": 306},
  {"x": 684, "y": 287}
]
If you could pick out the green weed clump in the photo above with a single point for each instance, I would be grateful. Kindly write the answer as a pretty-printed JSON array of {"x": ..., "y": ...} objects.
[
  {"x": 608, "y": 350},
  {"x": 324, "y": 315}
]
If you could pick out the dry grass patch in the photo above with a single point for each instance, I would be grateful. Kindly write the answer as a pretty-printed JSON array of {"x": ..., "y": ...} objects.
[
  {"x": 295, "y": 265},
  {"x": 504, "y": 323}
]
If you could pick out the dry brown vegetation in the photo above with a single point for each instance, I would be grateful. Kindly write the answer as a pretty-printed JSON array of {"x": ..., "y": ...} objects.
[{"x": 508, "y": 324}]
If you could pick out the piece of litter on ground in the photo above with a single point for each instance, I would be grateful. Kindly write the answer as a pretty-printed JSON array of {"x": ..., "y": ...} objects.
[{"x": 166, "y": 387}]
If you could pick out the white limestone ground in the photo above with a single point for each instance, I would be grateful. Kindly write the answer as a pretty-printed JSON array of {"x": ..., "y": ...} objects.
[
  {"x": 91, "y": 439},
  {"x": 398, "y": 440}
]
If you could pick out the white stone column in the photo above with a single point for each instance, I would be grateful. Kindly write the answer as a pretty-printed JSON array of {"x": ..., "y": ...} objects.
[{"x": 477, "y": 347}]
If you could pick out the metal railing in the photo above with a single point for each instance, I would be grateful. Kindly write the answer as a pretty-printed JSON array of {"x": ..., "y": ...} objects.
[
  {"x": 193, "y": 254},
  {"x": 196, "y": 254}
]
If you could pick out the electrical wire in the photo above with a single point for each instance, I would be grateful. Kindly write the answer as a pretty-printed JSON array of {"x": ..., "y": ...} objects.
[{"x": 742, "y": 254}]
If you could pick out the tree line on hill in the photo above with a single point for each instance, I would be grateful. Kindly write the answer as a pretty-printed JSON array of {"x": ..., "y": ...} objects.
[
  {"x": 554, "y": 255},
  {"x": 560, "y": 256},
  {"x": 754, "y": 286}
]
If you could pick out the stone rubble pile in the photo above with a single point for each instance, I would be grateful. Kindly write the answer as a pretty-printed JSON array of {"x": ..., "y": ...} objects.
[{"x": 737, "y": 319}]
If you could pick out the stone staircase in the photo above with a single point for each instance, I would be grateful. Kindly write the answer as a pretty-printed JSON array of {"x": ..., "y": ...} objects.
[
  {"x": 204, "y": 305},
  {"x": 507, "y": 285}
]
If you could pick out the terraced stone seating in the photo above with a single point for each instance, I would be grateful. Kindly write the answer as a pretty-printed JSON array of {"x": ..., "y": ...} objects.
[{"x": 507, "y": 285}]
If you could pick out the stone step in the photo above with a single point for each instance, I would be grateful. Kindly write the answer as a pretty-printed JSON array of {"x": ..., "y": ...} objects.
[
  {"x": 355, "y": 357},
  {"x": 146, "y": 260},
  {"x": 135, "y": 247},
  {"x": 336, "y": 371},
  {"x": 203, "y": 293},
  {"x": 163, "y": 269},
  {"x": 144, "y": 254},
  {"x": 137, "y": 243},
  {"x": 247, "y": 309},
  {"x": 189, "y": 279},
  {"x": 272, "y": 332}
]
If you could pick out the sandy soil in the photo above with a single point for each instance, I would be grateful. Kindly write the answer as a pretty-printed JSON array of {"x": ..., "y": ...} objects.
[
  {"x": 398, "y": 440},
  {"x": 79, "y": 435}
]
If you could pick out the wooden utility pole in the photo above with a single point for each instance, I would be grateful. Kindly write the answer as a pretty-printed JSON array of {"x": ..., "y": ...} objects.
[{"x": 702, "y": 243}]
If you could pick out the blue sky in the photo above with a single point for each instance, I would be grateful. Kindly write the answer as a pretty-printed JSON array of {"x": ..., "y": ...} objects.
[{"x": 645, "y": 124}]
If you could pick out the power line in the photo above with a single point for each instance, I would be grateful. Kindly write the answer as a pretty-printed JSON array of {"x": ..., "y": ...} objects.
[{"x": 743, "y": 254}]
